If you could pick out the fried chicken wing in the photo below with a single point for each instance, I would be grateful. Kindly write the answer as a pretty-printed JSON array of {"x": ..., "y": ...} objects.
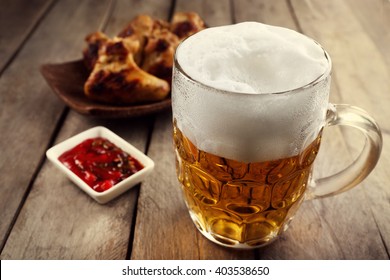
[
  {"x": 136, "y": 66},
  {"x": 138, "y": 29},
  {"x": 117, "y": 79},
  {"x": 90, "y": 52},
  {"x": 161, "y": 45},
  {"x": 158, "y": 54},
  {"x": 140, "y": 26},
  {"x": 185, "y": 24}
]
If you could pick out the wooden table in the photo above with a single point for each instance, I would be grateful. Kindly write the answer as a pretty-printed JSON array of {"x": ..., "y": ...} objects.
[{"x": 44, "y": 216}]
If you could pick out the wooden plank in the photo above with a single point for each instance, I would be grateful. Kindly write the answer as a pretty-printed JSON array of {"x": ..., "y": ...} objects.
[
  {"x": 107, "y": 235},
  {"x": 214, "y": 13},
  {"x": 58, "y": 221},
  {"x": 275, "y": 12},
  {"x": 35, "y": 113},
  {"x": 163, "y": 229},
  {"x": 29, "y": 111},
  {"x": 353, "y": 227},
  {"x": 374, "y": 17},
  {"x": 360, "y": 77},
  {"x": 363, "y": 90},
  {"x": 376, "y": 189},
  {"x": 125, "y": 11},
  {"x": 17, "y": 20}
]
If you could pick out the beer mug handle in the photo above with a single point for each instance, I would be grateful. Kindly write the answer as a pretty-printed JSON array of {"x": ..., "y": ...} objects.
[{"x": 363, "y": 164}]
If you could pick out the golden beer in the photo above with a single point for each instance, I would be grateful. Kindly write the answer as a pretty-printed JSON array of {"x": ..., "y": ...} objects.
[
  {"x": 241, "y": 204},
  {"x": 249, "y": 103}
]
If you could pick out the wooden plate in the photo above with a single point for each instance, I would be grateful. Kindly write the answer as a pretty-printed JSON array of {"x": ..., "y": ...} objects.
[{"x": 67, "y": 80}]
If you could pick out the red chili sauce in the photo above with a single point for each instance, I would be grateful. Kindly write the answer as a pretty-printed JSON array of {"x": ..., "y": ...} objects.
[{"x": 100, "y": 163}]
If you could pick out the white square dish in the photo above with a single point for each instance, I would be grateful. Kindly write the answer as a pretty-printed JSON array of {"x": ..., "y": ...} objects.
[{"x": 56, "y": 151}]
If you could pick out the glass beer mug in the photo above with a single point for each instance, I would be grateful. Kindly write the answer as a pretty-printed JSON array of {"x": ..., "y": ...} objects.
[{"x": 246, "y": 134}]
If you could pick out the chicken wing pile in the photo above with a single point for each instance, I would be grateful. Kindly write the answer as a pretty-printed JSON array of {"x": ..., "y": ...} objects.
[{"x": 136, "y": 65}]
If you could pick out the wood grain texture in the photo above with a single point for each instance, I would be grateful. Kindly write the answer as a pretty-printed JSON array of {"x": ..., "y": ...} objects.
[
  {"x": 59, "y": 221},
  {"x": 275, "y": 12},
  {"x": 162, "y": 219},
  {"x": 376, "y": 188},
  {"x": 29, "y": 111},
  {"x": 79, "y": 228},
  {"x": 16, "y": 26},
  {"x": 374, "y": 18},
  {"x": 125, "y": 11},
  {"x": 360, "y": 77},
  {"x": 214, "y": 13}
]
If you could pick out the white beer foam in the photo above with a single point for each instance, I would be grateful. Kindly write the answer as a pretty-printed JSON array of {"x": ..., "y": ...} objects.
[
  {"x": 252, "y": 57},
  {"x": 250, "y": 127}
]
